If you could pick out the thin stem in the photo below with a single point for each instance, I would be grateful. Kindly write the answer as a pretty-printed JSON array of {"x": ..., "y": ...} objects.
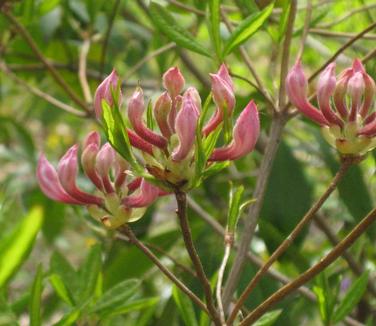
[
  {"x": 250, "y": 221},
  {"x": 286, "y": 54},
  {"x": 219, "y": 229},
  {"x": 357, "y": 269},
  {"x": 82, "y": 64},
  {"x": 37, "y": 92},
  {"x": 29, "y": 40},
  {"x": 107, "y": 38},
  {"x": 181, "y": 199},
  {"x": 221, "y": 273},
  {"x": 126, "y": 230},
  {"x": 324, "y": 32},
  {"x": 307, "y": 21},
  {"x": 310, "y": 273},
  {"x": 291, "y": 237}
]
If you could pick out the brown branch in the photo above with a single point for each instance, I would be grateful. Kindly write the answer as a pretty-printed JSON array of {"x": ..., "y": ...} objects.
[
  {"x": 126, "y": 230},
  {"x": 181, "y": 200},
  {"x": 310, "y": 273},
  {"x": 56, "y": 76},
  {"x": 290, "y": 238}
]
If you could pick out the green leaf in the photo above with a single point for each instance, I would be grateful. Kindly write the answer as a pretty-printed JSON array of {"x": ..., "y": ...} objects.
[
  {"x": 235, "y": 197},
  {"x": 269, "y": 318},
  {"x": 185, "y": 307},
  {"x": 117, "y": 295},
  {"x": 133, "y": 305},
  {"x": 70, "y": 318},
  {"x": 247, "y": 28},
  {"x": 15, "y": 248},
  {"x": 166, "y": 23},
  {"x": 90, "y": 273},
  {"x": 47, "y": 5},
  {"x": 61, "y": 290},
  {"x": 352, "y": 297},
  {"x": 214, "y": 17},
  {"x": 36, "y": 299}
]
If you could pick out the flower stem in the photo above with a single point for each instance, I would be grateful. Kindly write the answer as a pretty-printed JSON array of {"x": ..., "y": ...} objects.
[
  {"x": 126, "y": 230},
  {"x": 292, "y": 236},
  {"x": 181, "y": 199},
  {"x": 310, "y": 273}
]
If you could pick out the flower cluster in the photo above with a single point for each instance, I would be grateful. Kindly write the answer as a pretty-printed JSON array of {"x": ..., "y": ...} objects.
[
  {"x": 346, "y": 106},
  {"x": 170, "y": 155},
  {"x": 117, "y": 199}
]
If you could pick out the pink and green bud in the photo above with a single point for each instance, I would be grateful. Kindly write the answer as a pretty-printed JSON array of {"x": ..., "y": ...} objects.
[
  {"x": 88, "y": 161},
  {"x": 225, "y": 75},
  {"x": 355, "y": 89},
  {"x": 297, "y": 88},
  {"x": 245, "y": 135},
  {"x": 136, "y": 108},
  {"x": 104, "y": 161},
  {"x": 185, "y": 126},
  {"x": 223, "y": 95},
  {"x": 173, "y": 82},
  {"x": 162, "y": 110},
  {"x": 104, "y": 93}
]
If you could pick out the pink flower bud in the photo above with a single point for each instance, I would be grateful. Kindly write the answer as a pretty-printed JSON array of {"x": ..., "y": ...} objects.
[
  {"x": 121, "y": 166},
  {"x": 67, "y": 173},
  {"x": 162, "y": 109},
  {"x": 245, "y": 135},
  {"x": 296, "y": 86},
  {"x": 195, "y": 96},
  {"x": 173, "y": 81},
  {"x": 92, "y": 138},
  {"x": 325, "y": 89},
  {"x": 223, "y": 95},
  {"x": 50, "y": 184},
  {"x": 146, "y": 196},
  {"x": 355, "y": 89},
  {"x": 88, "y": 159},
  {"x": 225, "y": 75},
  {"x": 136, "y": 109},
  {"x": 105, "y": 160},
  {"x": 185, "y": 126},
  {"x": 137, "y": 142},
  {"x": 339, "y": 97},
  {"x": 176, "y": 105},
  {"x": 369, "y": 93},
  {"x": 213, "y": 122},
  {"x": 103, "y": 92}
]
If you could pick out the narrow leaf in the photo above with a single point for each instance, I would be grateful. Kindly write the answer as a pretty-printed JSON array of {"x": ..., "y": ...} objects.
[
  {"x": 14, "y": 249},
  {"x": 166, "y": 23},
  {"x": 352, "y": 297},
  {"x": 133, "y": 305},
  {"x": 61, "y": 290},
  {"x": 117, "y": 295},
  {"x": 269, "y": 318},
  {"x": 235, "y": 197},
  {"x": 214, "y": 17},
  {"x": 36, "y": 299},
  {"x": 185, "y": 307},
  {"x": 247, "y": 28}
]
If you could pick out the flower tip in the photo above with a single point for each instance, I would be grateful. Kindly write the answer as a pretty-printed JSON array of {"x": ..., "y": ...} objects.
[{"x": 358, "y": 65}]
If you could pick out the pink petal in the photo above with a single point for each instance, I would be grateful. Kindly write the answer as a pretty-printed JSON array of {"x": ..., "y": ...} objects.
[
  {"x": 223, "y": 95},
  {"x": 173, "y": 81},
  {"x": 147, "y": 195},
  {"x": 88, "y": 160},
  {"x": 104, "y": 162},
  {"x": 245, "y": 135},
  {"x": 296, "y": 86},
  {"x": 50, "y": 184},
  {"x": 136, "y": 109},
  {"x": 67, "y": 172},
  {"x": 185, "y": 126},
  {"x": 137, "y": 142},
  {"x": 162, "y": 110},
  {"x": 225, "y": 75},
  {"x": 92, "y": 138}
]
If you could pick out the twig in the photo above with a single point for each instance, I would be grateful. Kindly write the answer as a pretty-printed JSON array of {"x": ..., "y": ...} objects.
[
  {"x": 82, "y": 69},
  {"x": 347, "y": 15},
  {"x": 291, "y": 237},
  {"x": 307, "y": 21},
  {"x": 324, "y": 32},
  {"x": 181, "y": 200},
  {"x": 286, "y": 54},
  {"x": 107, "y": 38},
  {"x": 187, "y": 8},
  {"x": 310, "y": 273},
  {"x": 357, "y": 269},
  {"x": 133, "y": 239},
  {"x": 221, "y": 273},
  {"x": 29, "y": 40},
  {"x": 36, "y": 91},
  {"x": 256, "y": 260},
  {"x": 250, "y": 221},
  {"x": 150, "y": 56}
]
